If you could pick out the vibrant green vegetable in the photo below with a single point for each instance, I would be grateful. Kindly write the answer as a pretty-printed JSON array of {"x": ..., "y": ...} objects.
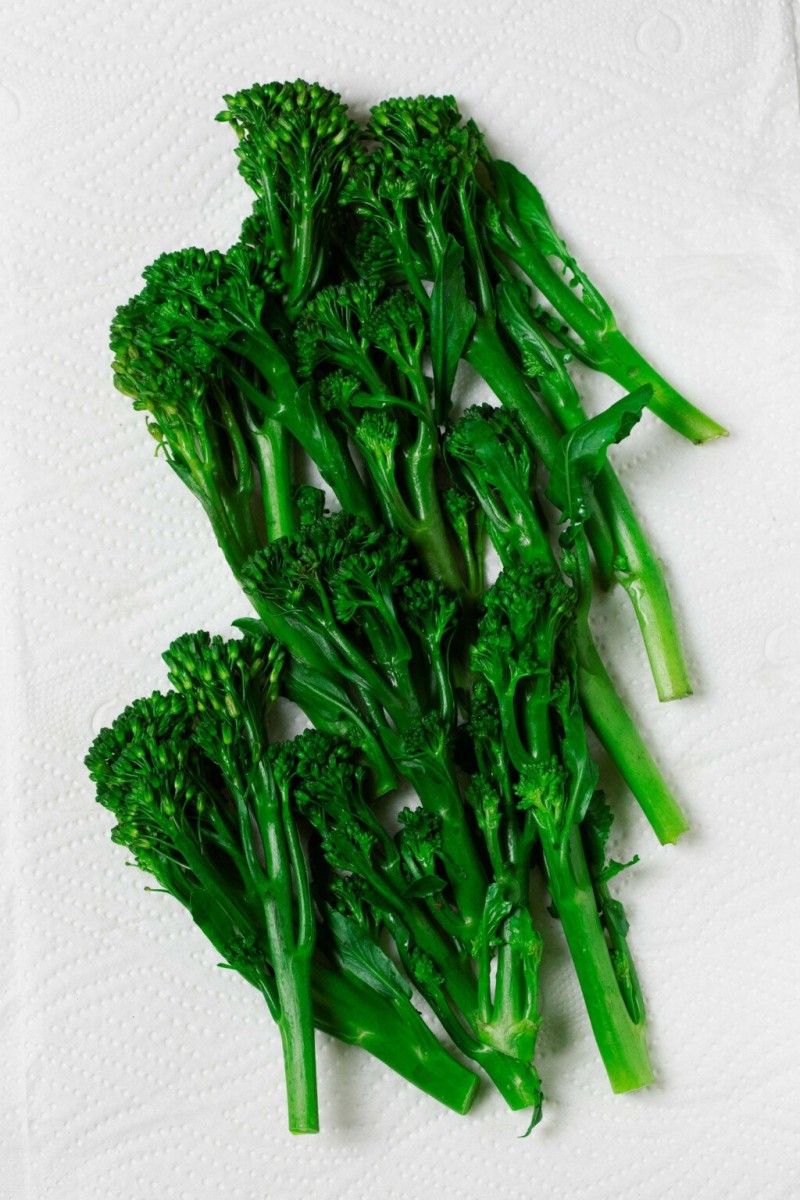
[
  {"x": 377, "y": 267},
  {"x": 489, "y": 452},
  {"x": 197, "y": 802}
]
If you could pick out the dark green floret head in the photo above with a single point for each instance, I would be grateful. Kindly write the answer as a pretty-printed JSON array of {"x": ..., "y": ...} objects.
[
  {"x": 377, "y": 435},
  {"x": 337, "y": 391},
  {"x": 429, "y": 609},
  {"x": 399, "y": 315},
  {"x": 484, "y": 716},
  {"x": 162, "y": 718},
  {"x": 291, "y": 568},
  {"x": 216, "y": 675},
  {"x": 543, "y": 788},
  {"x": 427, "y": 737},
  {"x": 288, "y": 130},
  {"x": 316, "y": 766},
  {"x": 329, "y": 327}
]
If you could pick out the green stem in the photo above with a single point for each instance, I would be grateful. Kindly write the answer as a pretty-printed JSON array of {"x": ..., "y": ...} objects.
[
  {"x": 639, "y": 572},
  {"x": 634, "y": 564},
  {"x": 610, "y": 351},
  {"x": 488, "y": 355},
  {"x": 611, "y": 721},
  {"x": 303, "y": 242},
  {"x": 440, "y": 795},
  {"x": 620, "y": 1040},
  {"x": 296, "y": 1025},
  {"x": 517, "y": 1081},
  {"x": 430, "y": 535},
  {"x": 290, "y": 935},
  {"x": 393, "y": 1031},
  {"x": 627, "y": 366},
  {"x": 273, "y": 451},
  {"x": 294, "y": 407}
]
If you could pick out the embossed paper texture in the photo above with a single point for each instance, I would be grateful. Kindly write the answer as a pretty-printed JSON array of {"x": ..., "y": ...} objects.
[{"x": 664, "y": 137}]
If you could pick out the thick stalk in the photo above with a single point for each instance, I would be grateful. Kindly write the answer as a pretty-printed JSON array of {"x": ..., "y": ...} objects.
[
  {"x": 273, "y": 449},
  {"x": 517, "y": 1081},
  {"x": 620, "y": 1040},
  {"x": 296, "y": 1025},
  {"x": 392, "y": 1031},
  {"x": 344, "y": 1007},
  {"x": 601, "y": 703},
  {"x": 635, "y": 565},
  {"x": 487, "y": 354},
  {"x": 290, "y": 936},
  {"x": 431, "y": 536},
  {"x": 294, "y": 408},
  {"x": 627, "y": 366}
]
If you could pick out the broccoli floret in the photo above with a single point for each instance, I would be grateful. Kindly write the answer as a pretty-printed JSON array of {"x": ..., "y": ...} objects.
[
  {"x": 420, "y": 844},
  {"x": 337, "y": 391},
  {"x": 430, "y": 611},
  {"x": 140, "y": 766},
  {"x": 329, "y": 328},
  {"x": 214, "y": 294},
  {"x": 216, "y": 675},
  {"x": 295, "y": 142},
  {"x": 377, "y": 435},
  {"x": 524, "y": 611},
  {"x": 488, "y": 453},
  {"x": 426, "y": 136},
  {"x": 397, "y": 326},
  {"x": 309, "y": 502}
]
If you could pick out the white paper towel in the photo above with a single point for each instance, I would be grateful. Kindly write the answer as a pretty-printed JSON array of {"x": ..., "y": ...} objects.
[{"x": 664, "y": 137}]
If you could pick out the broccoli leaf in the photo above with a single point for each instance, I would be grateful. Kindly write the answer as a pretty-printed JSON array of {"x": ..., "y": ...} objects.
[
  {"x": 582, "y": 455},
  {"x": 426, "y": 885},
  {"x": 361, "y": 957}
]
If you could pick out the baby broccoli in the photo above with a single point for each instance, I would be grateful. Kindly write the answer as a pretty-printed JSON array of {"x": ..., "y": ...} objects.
[{"x": 306, "y": 385}]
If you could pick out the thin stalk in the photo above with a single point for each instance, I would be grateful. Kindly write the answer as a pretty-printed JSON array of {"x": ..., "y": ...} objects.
[
  {"x": 611, "y": 352},
  {"x": 639, "y": 572},
  {"x": 611, "y": 721},
  {"x": 488, "y": 355},
  {"x": 431, "y": 535},
  {"x": 439, "y": 794}
]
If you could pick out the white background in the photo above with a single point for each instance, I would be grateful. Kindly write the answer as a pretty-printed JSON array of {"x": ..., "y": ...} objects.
[{"x": 664, "y": 136}]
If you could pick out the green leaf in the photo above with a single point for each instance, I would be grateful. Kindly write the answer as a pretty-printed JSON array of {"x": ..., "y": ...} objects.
[
  {"x": 582, "y": 453},
  {"x": 597, "y": 824},
  {"x": 613, "y": 867},
  {"x": 359, "y": 955},
  {"x": 452, "y": 319},
  {"x": 251, "y": 626},
  {"x": 426, "y": 885},
  {"x": 522, "y": 200},
  {"x": 517, "y": 194},
  {"x": 496, "y": 908},
  {"x": 539, "y": 354}
]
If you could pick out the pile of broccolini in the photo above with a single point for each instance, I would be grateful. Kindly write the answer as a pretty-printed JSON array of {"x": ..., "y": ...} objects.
[{"x": 374, "y": 262}]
